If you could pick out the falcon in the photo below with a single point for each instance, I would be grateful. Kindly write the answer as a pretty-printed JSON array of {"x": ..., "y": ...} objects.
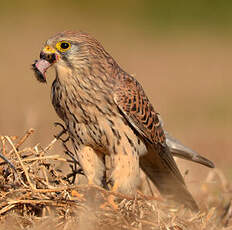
[{"x": 107, "y": 113}]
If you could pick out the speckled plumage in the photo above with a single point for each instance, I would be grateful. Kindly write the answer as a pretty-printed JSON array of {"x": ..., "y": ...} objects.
[{"x": 107, "y": 113}]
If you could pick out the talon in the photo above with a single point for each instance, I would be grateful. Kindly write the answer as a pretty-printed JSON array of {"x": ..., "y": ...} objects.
[
  {"x": 59, "y": 124},
  {"x": 63, "y": 131}
]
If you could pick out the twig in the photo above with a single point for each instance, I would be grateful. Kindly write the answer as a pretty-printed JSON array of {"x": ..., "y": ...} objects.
[
  {"x": 60, "y": 203},
  {"x": 24, "y": 138},
  {"x": 148, "y": 222},
  {"x": 21, "y": 162},
  {"x": 7, "y": 208},
  {"x": 53, "y": 157}
]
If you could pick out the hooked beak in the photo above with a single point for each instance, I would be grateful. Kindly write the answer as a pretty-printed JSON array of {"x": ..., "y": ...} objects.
[{"x": 48, "y": 57}]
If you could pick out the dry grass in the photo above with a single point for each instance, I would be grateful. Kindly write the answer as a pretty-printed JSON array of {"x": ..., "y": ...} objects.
[{"x": 37, "y": 195}]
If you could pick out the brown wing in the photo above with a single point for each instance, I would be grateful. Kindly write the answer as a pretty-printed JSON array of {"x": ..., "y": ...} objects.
[
  {"x": 132, "y": 101},
  {"x": 158, "y": 163},
  {"x": 137, "y": 109}
]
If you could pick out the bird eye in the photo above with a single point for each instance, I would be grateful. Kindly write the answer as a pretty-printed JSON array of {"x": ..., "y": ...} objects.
[{"x": 63, "y": 46}]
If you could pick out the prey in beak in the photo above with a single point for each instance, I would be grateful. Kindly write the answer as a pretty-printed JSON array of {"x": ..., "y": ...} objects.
[{"x": 48, "y": 57}]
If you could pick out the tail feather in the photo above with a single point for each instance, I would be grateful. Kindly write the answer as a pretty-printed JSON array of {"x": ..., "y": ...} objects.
[
  {"x": 162, "y": 170},
  {"x": 179, "y": 150}
]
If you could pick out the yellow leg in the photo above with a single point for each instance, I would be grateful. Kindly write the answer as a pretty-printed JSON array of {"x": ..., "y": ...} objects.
[
  {"x": 111, "y": 199},
  {"x": 77, "y": 195}
]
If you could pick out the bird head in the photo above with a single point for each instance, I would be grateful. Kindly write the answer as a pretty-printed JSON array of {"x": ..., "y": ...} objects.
[{"x": 68, "y": 51}]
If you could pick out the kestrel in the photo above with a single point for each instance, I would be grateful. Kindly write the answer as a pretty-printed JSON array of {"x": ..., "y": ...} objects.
[{"x": 107, "y": 112}]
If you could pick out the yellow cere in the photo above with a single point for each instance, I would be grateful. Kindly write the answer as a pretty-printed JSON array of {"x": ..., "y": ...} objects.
[
  {"x": 63, "y": 46},
  {"x": 49, "y": 49}
]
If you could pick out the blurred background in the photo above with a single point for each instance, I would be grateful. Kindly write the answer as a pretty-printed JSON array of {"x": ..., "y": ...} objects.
[{"x": 180, "y": 51}]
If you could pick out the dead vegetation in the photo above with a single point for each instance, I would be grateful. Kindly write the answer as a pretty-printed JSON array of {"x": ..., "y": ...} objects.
[{"x": 35, "y": 194}]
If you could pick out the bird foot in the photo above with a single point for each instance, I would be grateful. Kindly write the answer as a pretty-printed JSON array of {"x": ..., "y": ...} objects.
[
  {"x": 77, "y": 195},
  {"x": 110, "y": 203}
]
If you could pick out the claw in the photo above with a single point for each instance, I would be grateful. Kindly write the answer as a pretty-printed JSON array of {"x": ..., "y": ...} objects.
[
  {"x": 59, "y": 124},
  {"x": 63, "y": 131},
  {"x": 73, "y": 174}
]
